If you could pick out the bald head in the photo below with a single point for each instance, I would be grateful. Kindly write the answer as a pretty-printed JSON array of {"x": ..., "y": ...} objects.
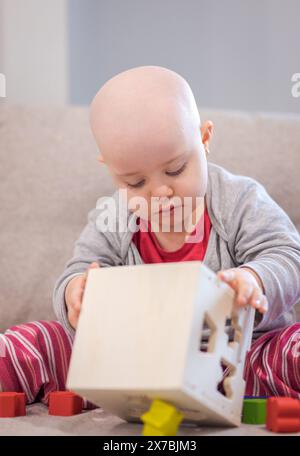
[{"x": 147, "y": 109}]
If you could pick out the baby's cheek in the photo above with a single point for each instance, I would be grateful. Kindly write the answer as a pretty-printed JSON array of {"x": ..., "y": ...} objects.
[
  {"x": 193, "y": 189},
  {"x": 195, "y": 178}
]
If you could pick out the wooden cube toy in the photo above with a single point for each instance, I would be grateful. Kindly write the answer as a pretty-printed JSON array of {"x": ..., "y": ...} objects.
[
  {"x": 12, "y": 404},
  {"x": 141, "y": 334},
  {"x": 64, "y": 403}
]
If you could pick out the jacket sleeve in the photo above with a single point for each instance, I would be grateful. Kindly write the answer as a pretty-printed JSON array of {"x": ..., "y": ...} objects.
[
  {"x": 91, "y": 246},
  {"x": 266, "y": 240}
]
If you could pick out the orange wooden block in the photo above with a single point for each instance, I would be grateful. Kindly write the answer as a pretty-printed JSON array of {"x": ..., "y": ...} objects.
[
  {"x": 12, "y": 404},
  {"x": 283, "y": 414},
  {"x": 64, "y": 403}
]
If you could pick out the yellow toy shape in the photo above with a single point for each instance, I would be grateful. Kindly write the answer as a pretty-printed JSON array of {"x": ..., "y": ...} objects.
[{"x": 161, "y": 419}]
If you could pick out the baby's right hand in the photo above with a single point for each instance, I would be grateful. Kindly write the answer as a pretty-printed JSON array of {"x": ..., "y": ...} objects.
[{"x": 74, "y": 294}]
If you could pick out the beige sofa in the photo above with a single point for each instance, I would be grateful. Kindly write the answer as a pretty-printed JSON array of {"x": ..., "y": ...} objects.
[{"x": 50, "y": 179}]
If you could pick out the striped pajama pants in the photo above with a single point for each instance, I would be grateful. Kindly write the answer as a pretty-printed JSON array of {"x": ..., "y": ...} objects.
[{"x": 34, "y": 358}]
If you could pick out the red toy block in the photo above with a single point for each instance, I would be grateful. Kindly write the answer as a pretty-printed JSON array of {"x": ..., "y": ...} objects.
[
  {"x": 12, "y": 404},
  {"x": 64, "y": 403},
  {"x": 283, "y": 414},
  {"x": 21, "y": 404}
]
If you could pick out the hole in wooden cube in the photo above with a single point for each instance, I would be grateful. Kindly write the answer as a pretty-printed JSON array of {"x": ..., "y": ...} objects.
[
  {"x": 225, "y": 387},
  {"x": 208, "y": 335},
  {"x": 233, "y": 330}
]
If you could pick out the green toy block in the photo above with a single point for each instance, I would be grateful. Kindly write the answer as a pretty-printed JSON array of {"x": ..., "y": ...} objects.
[
  {"x": 161, "y": 419},
  {"x": 254, "y": 411}
]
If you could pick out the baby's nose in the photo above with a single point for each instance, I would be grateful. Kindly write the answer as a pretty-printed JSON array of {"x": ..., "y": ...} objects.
[{"x": 162, "y": 191}]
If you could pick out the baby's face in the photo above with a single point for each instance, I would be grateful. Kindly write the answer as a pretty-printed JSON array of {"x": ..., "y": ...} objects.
[
  {"x": 163, "y": 175},
  {"x": 153, "y": 148}
]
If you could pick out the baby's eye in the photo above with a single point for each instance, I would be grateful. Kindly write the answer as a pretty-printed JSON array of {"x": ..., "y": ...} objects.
[
  {"x": 179, "y": 171},
  {"x": 174, "y": 173},
  {"x": 139, "y": 184}
]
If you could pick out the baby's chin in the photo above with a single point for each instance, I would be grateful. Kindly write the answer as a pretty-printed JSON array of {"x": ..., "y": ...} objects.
[{"x": 177, "y": 220}]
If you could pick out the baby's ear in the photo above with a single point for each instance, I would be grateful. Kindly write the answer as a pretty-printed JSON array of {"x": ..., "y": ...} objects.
[
  {"x": 207, "y": 131},
  {"x": 100, "y": 159}
]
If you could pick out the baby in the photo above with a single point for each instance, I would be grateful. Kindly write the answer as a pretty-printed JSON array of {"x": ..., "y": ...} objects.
[{"x": 147, "y": 128}]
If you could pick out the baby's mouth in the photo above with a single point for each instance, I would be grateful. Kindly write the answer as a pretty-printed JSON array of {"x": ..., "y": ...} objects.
[{"x": 167, "y": 210}]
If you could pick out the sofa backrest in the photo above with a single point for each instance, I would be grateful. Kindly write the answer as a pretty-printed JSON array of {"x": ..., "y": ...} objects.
[{"x": 51, "y": 179}]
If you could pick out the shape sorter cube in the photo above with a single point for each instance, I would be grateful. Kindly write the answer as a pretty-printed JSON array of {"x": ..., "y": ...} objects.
[{"x": 141, "y": 336}]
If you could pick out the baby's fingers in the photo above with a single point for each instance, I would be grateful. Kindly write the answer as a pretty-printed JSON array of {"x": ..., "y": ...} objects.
[
  {"x": 76, "y": 299},
  {"x": 229, "y": 277},
  {"x": 75, "y": 304},
  {"x": 262, "y": 306},
  {"x": 78, "y": 291},
  {"x": 93, "y": 265},
  {"x": 245, "y": 294},
  {"x": 258, "y": 300},
  {"x": 73, "y": 317},
  {"x": 255, "y": 300}
]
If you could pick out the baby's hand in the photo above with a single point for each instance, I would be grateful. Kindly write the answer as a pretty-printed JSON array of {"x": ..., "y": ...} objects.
[
  {"x": 248, "y": 291},
  {"x": 74, "y": 294}
]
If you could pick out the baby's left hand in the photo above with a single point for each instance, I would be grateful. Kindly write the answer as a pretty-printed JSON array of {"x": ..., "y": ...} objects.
[{"x": 248, "y": 291}]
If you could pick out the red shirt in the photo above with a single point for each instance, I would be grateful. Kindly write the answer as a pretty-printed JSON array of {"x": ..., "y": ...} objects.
[{"x": 151, "y": 251}]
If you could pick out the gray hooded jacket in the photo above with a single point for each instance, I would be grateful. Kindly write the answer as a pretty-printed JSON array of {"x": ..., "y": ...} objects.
[{"x": 248, "y": 228}]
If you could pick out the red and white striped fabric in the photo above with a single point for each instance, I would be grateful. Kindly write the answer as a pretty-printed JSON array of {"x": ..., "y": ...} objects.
[
  {"x": 273, "y": 364},
  {"x": 34, "y": 359}
]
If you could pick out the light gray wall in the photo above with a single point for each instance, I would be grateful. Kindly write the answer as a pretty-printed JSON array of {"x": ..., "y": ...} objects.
[
  {"x": 236, "y": 54},
  {"x": 33, "y": 51}
]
